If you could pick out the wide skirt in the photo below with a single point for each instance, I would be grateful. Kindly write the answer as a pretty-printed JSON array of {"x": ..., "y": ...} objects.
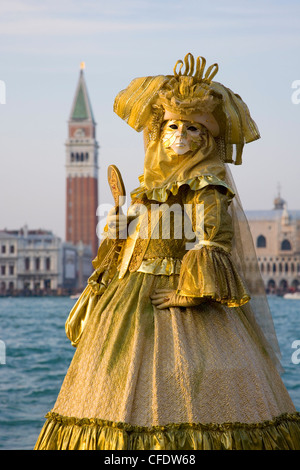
[{"x": 173, "y": 379}]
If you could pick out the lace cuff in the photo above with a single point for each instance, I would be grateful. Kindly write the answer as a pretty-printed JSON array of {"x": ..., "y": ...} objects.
[{"x": 210, "y": 273}]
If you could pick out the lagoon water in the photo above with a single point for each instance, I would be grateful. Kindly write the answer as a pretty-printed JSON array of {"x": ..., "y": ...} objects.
[{"x": 35, "y": 355}]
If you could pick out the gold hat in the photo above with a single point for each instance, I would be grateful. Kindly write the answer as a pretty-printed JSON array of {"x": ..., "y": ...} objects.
[{"x": 189, "y": 95}]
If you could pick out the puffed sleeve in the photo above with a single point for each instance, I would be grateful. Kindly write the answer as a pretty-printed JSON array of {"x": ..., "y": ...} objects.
[{"x": 207, "y": 270}]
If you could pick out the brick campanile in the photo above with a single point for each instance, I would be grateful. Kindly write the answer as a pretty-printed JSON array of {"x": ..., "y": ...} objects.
[{"x": 82, "y": 171}]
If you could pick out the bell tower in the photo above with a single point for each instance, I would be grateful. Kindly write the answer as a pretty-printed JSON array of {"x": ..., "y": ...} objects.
[{"x": 82, "y": 170}]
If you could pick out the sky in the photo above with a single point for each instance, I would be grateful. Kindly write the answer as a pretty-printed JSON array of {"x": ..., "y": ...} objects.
[{"x": 255, "y": 43}]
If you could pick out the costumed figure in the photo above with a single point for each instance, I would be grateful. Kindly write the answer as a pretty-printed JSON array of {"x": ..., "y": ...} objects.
[{"x": 175, "y": 344}]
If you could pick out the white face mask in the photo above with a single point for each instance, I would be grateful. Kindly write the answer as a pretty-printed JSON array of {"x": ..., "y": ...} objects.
[{"x": 182, "y": 136}]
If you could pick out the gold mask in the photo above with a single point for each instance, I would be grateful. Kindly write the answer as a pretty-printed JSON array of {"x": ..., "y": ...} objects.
[{"x": 182, "y": 136}]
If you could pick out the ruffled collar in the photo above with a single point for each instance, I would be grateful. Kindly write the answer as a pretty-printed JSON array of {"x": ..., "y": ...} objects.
[{"x": 162, "y": 193}]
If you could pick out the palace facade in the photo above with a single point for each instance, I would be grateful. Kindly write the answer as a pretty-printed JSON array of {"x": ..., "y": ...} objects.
[{"x": 276, "y": 236}]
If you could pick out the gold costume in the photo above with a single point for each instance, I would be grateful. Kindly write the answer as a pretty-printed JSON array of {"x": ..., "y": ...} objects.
[{"x": 202, "y": 373}]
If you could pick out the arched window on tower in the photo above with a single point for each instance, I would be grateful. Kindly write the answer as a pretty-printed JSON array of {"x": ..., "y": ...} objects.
[
  {"x": 86, "y": 156},
  {"x": 82, "y": 157},
  {"x": 261, "y": 242},
  {"x": 285, "y": 245},
  {"x": 72, "y": 157}
]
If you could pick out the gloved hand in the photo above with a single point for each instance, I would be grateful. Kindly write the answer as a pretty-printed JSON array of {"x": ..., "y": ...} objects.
[
  {"x": 116, "y": 224},
  {"x": 165, "y": 298}
]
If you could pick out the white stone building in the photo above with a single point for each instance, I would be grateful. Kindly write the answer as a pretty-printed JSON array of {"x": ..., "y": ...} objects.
[
  {"x": 29, "y": 261},
  {"x": 37, "y": 262}
]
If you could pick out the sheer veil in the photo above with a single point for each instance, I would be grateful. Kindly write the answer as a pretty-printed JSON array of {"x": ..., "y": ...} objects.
[{"x": 257, "y": 310}]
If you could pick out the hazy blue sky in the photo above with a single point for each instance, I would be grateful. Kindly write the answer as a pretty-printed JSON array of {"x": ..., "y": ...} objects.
[{"x": 257, "y": 47}]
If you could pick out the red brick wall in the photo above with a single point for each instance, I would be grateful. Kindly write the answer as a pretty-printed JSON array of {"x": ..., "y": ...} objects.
[{"x": 84, "y": 202}]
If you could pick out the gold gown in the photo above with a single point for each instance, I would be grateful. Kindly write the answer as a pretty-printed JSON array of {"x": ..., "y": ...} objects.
[{"x": 179, "y": 378}]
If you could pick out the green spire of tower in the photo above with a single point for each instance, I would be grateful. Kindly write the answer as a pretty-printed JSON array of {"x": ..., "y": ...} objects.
[{"x": 81, "y": 109}]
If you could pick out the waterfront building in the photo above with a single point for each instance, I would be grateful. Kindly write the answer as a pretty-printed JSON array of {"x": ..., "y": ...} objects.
[
  {"x": 82, "y": 171},
  {"x": 276, "y": 236},
  {"x": 29, "y": 261},
  {"x": 37, "y": 262}
]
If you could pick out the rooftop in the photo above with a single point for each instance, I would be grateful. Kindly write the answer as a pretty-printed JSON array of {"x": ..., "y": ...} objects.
[
  {"x": 25, "y": 232},
  {"x": 279, "y": 210},
  {"x": 273, "y": 214}
]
